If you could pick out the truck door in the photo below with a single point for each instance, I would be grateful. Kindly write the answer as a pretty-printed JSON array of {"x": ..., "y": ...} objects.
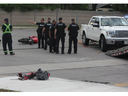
[
  {"x": 96, "y": 30},
  {"x": 90, "y": 28}
]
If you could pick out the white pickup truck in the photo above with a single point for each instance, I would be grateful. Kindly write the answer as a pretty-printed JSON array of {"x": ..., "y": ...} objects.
[{"x": 107, "y": 30}]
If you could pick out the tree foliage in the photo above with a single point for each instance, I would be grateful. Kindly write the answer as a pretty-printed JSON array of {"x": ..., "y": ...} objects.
[
  {"x": 74, "y": 6},
  {"x": 120, "y": 7},
  {"x": 52, "y": 6},
  {"x": 29, "y": 7},
  {"x": 7, "y": 7},
  {"x": 21, "y": 7}
]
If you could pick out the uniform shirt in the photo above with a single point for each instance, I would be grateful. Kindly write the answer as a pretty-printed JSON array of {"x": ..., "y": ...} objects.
[
  {"x": 40, "y": 26},
  {"x": 73, "y": 28},
  {"x": 4, "y": 27},
  {"x": 60, "y": 28},
  {"x": 47, "y": 25},
  {"x": 52, "y": 29}
]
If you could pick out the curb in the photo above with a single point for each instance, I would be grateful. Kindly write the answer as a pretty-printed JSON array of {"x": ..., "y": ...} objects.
[{"x": 24, "y": 28}]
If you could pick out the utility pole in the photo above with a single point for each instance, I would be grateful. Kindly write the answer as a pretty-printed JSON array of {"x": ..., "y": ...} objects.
[
  {"x": 57, "y": 15},
  {"x": 35, "y": 15},
  {"x": 77, "y": 16},
  {"x": 11, "y": 17}
]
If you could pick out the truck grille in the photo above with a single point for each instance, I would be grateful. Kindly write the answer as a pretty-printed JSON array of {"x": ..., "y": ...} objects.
[{"x": 121, "y": 33}]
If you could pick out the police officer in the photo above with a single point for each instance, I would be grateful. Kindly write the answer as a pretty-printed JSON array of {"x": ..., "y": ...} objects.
[
  {"x": 73, "y": 33},
  {"x": 7, "y": 37},
  {"x": 45, "y": 32},
  {"x": 39, "y": 31},
  {"x": 60, "y": 34},
  {"x": 51, "y": 37}
]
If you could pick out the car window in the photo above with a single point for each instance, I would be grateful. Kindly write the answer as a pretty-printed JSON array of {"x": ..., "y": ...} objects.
[
  {"x": 92, "y": 21},
  {"x": 113, "y": 22},
  {"x": 97, "y": 21}
]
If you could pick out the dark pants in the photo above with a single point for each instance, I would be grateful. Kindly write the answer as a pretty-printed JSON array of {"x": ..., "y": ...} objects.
[
  {"x": 46, "y": 40},
  {"x": 62, "y": 42},
  {"x": 72, "y": 38},
  {"x": 7, "y": 39},
  {"x": 53, "y": 46},
  {"x": 40, "y": 38}
]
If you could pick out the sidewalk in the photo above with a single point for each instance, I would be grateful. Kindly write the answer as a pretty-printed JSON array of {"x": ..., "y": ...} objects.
[{"x": 56, "y": 85}]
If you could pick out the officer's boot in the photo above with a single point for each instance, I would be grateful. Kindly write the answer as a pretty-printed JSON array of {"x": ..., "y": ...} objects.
[
  {"x": 50, "y": 49},
  {"x": 11, "y": 53},
  {"x": 5, "y": 53}
]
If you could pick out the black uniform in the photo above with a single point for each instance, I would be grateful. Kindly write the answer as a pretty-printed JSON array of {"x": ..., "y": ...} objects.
[
  {"x": 53, "y": 46},
  {"x": 47, "y": 25},
  {"x": 39, "y": 34},
  {"x": 60, "y": 35},
  {"x": 7, "y": 37},
  {"x": 73, "y": 33}
]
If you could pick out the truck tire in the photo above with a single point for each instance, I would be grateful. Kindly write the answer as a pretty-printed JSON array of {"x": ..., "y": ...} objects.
[
  {"x": 104, "y": 46},
  {"x": 85, "y": 41}
]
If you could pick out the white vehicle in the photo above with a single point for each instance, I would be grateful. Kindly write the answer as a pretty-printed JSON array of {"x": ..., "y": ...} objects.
[{"x": 107, "y": 30}]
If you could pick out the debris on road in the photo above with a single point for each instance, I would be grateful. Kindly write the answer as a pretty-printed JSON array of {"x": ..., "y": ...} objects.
[
  {"x": 98, "y": 51},
  {"x": 117, "y": 52},
  {"x": 39, "y": 75}
]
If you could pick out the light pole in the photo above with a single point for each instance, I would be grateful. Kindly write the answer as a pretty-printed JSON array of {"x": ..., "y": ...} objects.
[
  {"x": 77, "y": 16},
  {"x": 57, "y": 14},
  {"x": 11, "y": 17},
  {"x": 35, "y": 15}
]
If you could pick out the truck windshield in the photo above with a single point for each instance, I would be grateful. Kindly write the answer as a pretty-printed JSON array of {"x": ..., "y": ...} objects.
[{"x": 113, "y": 22}]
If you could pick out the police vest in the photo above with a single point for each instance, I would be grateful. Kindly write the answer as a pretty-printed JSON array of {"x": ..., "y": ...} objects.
[
  {"x": 47, "y": 26},
  {"x": 7, "y": 30},
  {"x": 73, "y": 28},
  {"x": 60, "y": 28}
]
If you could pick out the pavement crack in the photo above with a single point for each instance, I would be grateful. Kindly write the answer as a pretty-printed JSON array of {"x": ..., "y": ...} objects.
[{"x": 95, "y": 82}]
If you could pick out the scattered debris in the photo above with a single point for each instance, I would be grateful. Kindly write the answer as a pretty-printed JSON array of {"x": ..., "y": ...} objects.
[
  {"x": 39, "y": 75},
  {"x": 98, "y": 51},
  {"x": 80, "y": 42},
  {"x": 6, "y": 90}
]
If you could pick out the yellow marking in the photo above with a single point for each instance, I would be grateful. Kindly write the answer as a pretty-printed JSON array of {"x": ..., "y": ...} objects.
[{"x": 121, "y": 84}]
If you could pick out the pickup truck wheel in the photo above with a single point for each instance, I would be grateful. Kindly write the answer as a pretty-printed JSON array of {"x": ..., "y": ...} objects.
[
  {"x": 103, "y": 44},
  {"x": 85, "y": 41}
]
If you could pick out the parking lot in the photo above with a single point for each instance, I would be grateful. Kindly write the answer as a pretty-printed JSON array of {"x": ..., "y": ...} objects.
[{"x": 88, "y": 65}]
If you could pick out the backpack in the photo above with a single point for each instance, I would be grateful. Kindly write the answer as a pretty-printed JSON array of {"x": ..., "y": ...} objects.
[{"x": 40, "y": 75}]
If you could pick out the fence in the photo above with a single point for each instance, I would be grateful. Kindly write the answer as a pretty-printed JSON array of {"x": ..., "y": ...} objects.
[{"x": 21, "y": 18}]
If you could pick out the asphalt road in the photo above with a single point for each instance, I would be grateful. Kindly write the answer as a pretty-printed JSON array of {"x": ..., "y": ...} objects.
[{"x": 29, "y": 55}]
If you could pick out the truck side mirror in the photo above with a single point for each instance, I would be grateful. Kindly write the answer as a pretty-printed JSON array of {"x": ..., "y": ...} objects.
[{"x": 95, "y": 25}]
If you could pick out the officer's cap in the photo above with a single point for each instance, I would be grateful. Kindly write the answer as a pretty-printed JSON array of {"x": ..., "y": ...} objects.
[
  {"x": 6, "y": 19},
  {"x": 72, "y": 19}
]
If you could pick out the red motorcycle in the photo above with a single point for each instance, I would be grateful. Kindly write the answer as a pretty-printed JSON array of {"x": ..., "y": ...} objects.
[{"x": 29, "y": 40}]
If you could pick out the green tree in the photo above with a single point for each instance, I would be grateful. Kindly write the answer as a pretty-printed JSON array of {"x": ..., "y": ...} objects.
[
  {"x": 74, "y": 6},
  {"x": 120, "y": 7},
  {"x": 21, "y": 7},
  {"x": 7, "y": 7},
  {"x": 53, "y": 6},
  {"x": 79, "y": 6},
  {"x": 29, "y": 7}
]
